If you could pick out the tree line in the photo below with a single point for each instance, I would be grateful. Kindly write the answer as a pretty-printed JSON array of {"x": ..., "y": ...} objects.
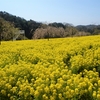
[{"x": 10, "y": 24}]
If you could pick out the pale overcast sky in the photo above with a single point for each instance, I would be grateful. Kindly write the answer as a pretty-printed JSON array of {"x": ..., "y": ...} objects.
[{"x": 76, "y": 12}]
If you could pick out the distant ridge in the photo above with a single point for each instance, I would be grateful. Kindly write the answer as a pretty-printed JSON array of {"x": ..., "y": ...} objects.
[{"x": 30, "y": 26}]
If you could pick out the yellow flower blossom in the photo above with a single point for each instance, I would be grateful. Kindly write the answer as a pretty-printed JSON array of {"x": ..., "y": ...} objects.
[{"x": 57, "y": 69}]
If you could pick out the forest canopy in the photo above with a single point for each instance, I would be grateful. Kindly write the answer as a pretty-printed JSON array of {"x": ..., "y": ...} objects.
[{"x": 9, "y": 24}]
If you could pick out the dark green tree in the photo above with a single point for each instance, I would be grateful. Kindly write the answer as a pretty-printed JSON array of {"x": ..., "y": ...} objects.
[{"x": 0, "y": 30}]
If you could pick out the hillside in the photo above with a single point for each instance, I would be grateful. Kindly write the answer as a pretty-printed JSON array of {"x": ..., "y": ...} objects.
[{"x": 39, "y": 30}]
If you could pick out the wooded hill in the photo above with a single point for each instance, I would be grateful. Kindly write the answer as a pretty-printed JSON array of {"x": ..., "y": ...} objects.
[{"x": 9, "y": 24}]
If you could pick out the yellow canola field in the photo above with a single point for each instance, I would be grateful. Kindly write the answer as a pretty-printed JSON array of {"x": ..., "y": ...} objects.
[{"x": 58, "y": 69}]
